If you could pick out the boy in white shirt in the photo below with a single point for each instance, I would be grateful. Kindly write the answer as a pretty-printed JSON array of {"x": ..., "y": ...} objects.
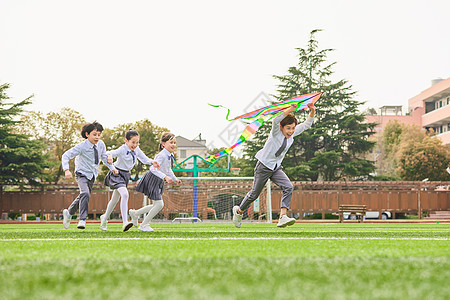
[
  {"x": 281, "y": 137},
  {"x": 87, "y": 156}
]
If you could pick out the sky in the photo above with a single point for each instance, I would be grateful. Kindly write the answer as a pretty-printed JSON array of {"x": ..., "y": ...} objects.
[{"x": 124, "y": 61}]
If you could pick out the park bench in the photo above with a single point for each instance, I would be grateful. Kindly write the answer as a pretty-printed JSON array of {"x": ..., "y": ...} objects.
[{"x": 358, "y": 210}]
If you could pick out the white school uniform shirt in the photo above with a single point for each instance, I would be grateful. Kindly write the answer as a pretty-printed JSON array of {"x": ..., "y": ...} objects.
[
  {"x": 125, "y": 157},
  {"x": 84, "y": 158},
  {"x": 164, "y": 158},
  {"x": 267, "y": 154}
]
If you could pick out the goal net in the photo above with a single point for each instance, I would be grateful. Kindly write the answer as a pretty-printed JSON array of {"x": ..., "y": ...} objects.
[{"x": 213, "y": 198}]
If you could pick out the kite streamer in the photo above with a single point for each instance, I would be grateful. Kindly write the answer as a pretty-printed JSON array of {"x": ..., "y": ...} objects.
[{"x": 263, "y": 115}]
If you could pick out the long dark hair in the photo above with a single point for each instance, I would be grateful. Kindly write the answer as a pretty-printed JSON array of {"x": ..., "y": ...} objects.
[
  {"x": 166, "y": 136},
  {"x": 130, "y": 133}
]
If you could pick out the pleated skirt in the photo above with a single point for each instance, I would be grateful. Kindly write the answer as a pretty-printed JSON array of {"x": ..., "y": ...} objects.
[
  {"x": 119, "y": 180},
  {"x": 151, "y": 185}
]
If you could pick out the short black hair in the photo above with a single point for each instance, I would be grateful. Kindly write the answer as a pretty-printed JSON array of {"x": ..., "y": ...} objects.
[
  {"x": 89, "y": 127},
  {"x": 289, "y": 119},
  {"x": 130, "y": 133}
]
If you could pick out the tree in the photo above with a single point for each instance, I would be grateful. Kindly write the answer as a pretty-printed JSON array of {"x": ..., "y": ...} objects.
[
  {"x": 334, "y": 147},
  {"x": 148, "y": 140},
  {"x": 60, "y": 131},
  {"x": 21, "y": 160},
  {"x": 370, "y": 111},
  {"x": 411, "y": 153},
  {"x": 421, "y": 156},
  {"x": 389, "y": 143}
]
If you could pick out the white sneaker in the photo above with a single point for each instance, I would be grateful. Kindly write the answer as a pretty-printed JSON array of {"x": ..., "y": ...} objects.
[
  {"x": 134, "y": 217},
  {"x": 237, "y": 218},
  {"x": 66, "y": 218},
  {"x": 145, "y": 228},
  {"x": 103, "y": 223},
  {"x": 127, "y": 226},
  {"x": 81, "y": 224},
  {"x": 285, "y": 221}
]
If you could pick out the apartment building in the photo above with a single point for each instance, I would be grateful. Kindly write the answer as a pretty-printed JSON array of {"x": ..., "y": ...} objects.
[{"x": 433, "y": 105}]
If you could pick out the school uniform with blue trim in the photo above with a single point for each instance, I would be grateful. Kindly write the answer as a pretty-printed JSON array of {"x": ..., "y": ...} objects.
[
  {"x": 126, "y": 160},
  {"x": 152, "y": 184},
  {"x": 269, "y": 162},
  {"x": 87, "y": 158}
]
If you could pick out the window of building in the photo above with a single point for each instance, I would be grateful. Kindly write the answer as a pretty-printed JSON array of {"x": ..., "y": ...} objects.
[{"x": 182, "y": 153}]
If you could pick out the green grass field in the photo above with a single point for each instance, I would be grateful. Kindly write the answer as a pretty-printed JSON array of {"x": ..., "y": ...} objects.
[{"x": 218, "y": 261}]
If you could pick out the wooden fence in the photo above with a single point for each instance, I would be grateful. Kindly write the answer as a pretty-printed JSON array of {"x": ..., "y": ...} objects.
[{"x": 308, "y": 197}]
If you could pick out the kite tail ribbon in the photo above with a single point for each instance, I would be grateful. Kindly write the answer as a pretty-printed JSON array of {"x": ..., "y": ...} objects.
[{"x": 228, "y": 113}]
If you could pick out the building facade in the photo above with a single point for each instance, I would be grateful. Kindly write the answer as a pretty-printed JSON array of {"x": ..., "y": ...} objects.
[
  {"x": 392, "y": 113},
  {"x": 186, "y": 148},
  {"x": 434, "y": 106}
]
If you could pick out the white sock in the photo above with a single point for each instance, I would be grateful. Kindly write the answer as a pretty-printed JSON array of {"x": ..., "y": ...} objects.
[
  {"x": 157, "y": 206},
  {"x": 112, "y": 203},
  {"x": 123, "y": 191},
  {"x": 144, "y": 210}
]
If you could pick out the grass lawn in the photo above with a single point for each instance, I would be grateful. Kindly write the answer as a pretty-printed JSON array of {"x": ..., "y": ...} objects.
[{"x": 218, "y": 261}]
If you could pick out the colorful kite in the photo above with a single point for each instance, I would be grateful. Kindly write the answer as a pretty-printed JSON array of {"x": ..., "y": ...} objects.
[{"x": 263, "y": 115}]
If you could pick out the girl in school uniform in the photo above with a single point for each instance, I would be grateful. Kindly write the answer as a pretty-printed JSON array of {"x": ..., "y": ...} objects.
[
  {"x": 152, "y": 184},
  {"x": 127, "y": 156}
]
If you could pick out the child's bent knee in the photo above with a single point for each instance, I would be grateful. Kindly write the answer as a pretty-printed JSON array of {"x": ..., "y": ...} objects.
[
  {"x": 85, "y": 195},
  {"x": 288, "y": 188}
]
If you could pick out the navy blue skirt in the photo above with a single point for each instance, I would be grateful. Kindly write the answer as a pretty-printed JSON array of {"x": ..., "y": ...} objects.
[
  {"x": 151, "y": 185},
  {"x": 119, "y": 180}
]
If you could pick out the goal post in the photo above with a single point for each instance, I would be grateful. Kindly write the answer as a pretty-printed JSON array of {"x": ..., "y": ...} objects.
[{"x": 213, "y": 198}]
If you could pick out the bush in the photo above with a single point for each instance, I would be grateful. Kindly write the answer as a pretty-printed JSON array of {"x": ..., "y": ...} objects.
[
  {"x": 316, "y": 216},
  {"x": 384, "y": 178},
  {"x": 13, "y": 216}
]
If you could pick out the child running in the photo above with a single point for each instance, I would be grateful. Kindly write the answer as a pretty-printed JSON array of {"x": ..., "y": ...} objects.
[
  {"x": 152, "y": 184},
  {"x": 87, "y": 157},
  {"x": 269, "y": 158},
  {"x": 127, "y": 156}
]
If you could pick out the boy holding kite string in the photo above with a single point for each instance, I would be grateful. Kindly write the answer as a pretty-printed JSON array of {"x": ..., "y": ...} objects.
[{"x": 284, "y": 128}]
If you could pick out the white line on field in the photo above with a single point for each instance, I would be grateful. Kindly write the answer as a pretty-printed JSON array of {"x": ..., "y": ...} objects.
[
  {"x": 303, "y": 231},
  {"x": 226, "y": 238}
]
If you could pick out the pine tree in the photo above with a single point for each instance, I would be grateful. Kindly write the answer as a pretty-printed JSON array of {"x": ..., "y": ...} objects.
[
  {"x": 21, "y": 160},
  {"x": 334, "y": 147}
]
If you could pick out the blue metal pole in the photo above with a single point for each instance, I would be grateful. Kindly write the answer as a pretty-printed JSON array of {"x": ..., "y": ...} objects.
[{"x": 194, "y": 191}]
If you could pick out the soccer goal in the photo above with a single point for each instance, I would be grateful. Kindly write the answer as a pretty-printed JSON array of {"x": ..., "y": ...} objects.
[{"x": 213, "y": 198}]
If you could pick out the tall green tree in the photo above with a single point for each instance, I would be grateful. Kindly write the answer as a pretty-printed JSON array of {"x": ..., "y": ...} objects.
[
  {"x": 334, "y": 147},
  {"x": 21, "y": 159}
]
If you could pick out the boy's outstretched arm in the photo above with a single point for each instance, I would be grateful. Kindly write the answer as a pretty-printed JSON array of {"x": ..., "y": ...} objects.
[
  {"x": 290, "y": 109},
  {"x": 312, "y": 108},
  {"x": 308, "y": 122}
]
